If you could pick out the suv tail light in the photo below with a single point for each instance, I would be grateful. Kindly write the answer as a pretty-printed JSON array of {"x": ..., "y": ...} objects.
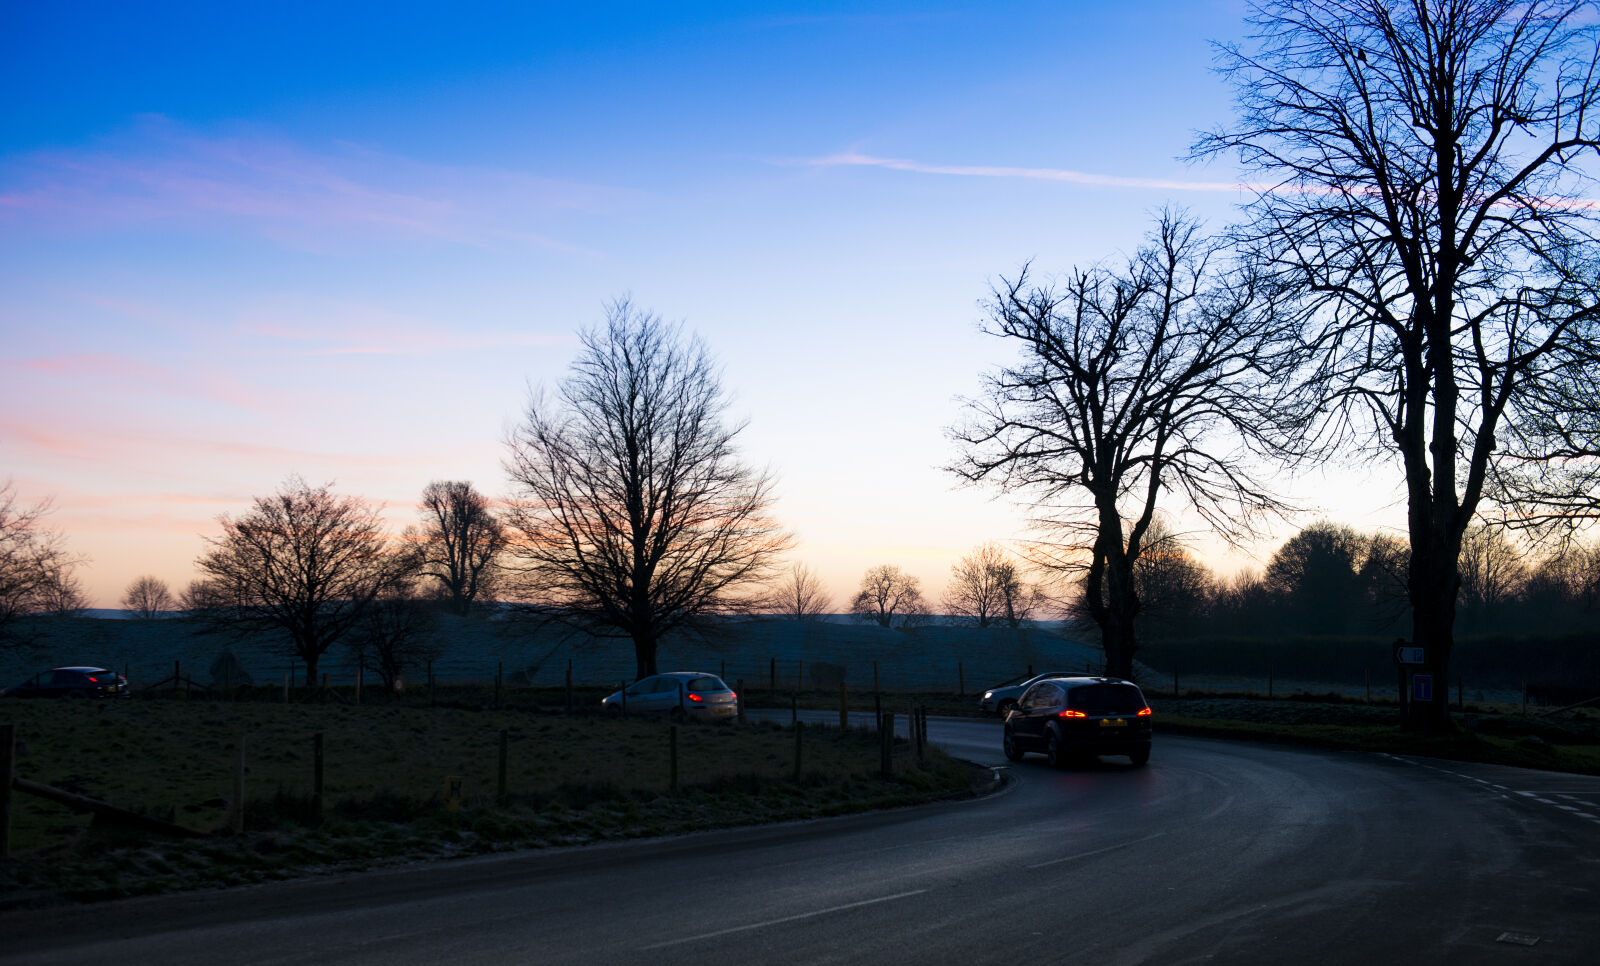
[
  {"x": 1072, "y": 713},
  {"x": 1144, "y": 712}
]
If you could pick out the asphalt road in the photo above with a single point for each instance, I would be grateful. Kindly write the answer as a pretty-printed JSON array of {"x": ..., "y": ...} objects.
[{"x": 1216, "y": 852}]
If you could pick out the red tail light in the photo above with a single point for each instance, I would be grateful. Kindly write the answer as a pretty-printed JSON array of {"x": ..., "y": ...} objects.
[
  {"x": 92, "y": 678},
  {"x": 733, "y": 695},
  {"x": 1072, "y": 713},
  {"x": 695, "y": 697},
  {"x": 1144, "y": 712}
]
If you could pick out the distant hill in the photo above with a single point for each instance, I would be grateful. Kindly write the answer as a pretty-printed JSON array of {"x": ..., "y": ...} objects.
[{"x": 812, "y": 653}]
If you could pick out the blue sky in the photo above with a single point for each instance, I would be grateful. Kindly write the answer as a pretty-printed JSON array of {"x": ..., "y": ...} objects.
[{"x": 237, "y": 244}]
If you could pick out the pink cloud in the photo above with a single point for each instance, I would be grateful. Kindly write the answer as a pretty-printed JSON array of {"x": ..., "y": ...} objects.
[{"x": 160, "y": 172}]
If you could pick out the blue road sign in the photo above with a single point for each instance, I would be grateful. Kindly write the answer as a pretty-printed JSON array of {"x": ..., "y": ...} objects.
[
  {"x": 1408, "y": 655},
  {"x": 1422, "y": 687}
]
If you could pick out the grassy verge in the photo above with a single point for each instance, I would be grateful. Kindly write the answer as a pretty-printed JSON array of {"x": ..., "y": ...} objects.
[
  {"x": 1486, "y": 733},
  {"x": 403, "y": 784}
]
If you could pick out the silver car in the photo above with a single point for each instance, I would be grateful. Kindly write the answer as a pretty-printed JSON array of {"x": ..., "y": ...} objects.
[
  {"x": 677, "y": 694},
  {"x": 1002, "y": 699}
]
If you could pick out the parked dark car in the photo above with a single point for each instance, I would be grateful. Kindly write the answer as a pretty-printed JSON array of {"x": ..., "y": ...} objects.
[
  {"x": 72, "y": 682},
  {"x": 1001, "y": 698},
  {"x": 678, "y": 694},
  {"x": 1076, "y": 717}
]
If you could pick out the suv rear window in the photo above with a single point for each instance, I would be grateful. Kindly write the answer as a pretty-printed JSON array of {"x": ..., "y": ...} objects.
[{"x": 1106, "y": 699}]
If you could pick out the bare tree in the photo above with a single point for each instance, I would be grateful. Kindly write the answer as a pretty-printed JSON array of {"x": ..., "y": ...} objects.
[
  {"x": 304, "y": 561},
  {"x": 635, "y": 513},
  {"x": 461, "y": 540},
  {"x": 800, "y": 594},
  {"x": 1492, "y": 573},
  {"x": 1173, "y": 586},
  {"x": 1423, "y": 183},
  {"x": 889, "y": 594},
  {"x": 986, "y": 588},
  {"x": 147, "y": 597},
  {"x": 1132, "y": 384},
  {"x": 37, "y": 573},
  {"x": 395, "y": 634},
  {"x": 201, "y": 597}
]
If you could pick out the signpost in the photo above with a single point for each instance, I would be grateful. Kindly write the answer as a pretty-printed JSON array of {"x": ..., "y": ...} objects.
[{"x": 1421, "y": 685}]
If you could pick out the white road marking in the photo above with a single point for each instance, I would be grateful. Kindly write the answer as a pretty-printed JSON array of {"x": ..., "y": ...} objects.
[
  {"x": 784, "y": 919},
  {"x": 1085, "y": 855}
]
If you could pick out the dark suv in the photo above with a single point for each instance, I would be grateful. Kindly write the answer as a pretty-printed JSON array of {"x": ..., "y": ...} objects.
[{"x": 1075, "y": 717}]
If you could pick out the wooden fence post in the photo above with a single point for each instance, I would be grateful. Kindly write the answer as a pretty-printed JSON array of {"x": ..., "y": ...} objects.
[
  {"x": 286, "y": 676},
  {"x": 8, "y": 747},
  {"x": 673, "y": 741},
  {"x": 844, "y": 707},
  {"x": 569, "y": 685},
  {"x": 739, "y": 699},
  {"x": 501, "y": 791},
  {"x": 316, "y": 777},
  {"x": 961, "y": 680},
  {"x": 236, "y": 814},
  {"x": 772, "y": 672},
  {"x": 886, "y": 744},
  {"x": 430, "y": 682},
  {"x": 798, "y": 728},
  {"x": 499, "y": 671},
  {"x": 875, "y": 676},
  {"x": 360, "y": 667}
]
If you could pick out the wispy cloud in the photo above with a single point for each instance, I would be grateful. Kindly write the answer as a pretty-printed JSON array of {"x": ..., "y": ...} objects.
[
  {"x": 854, "y": 160},
  {"x": 350, "y": 328},
  {"x": 161, "y": 172}
]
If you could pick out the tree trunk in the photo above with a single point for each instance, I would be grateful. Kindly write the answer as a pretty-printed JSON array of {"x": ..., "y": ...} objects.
[
  {"x": 311, "y": 669},
  {"x": 644, "y": 653},
  {"x": 1434, "y": 586}
]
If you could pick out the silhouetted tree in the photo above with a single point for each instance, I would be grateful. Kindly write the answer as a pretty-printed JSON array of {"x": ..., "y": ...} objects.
[
  {"x": 1422, "y": 186},
  {"x": 887, "y": 595},
  {"x": 1132, "y": 384},
  {"x": 800, "y": 594},
  {"x": 1492, "y": 575},
  {"x": 304, "y": 561},
  {"x": 1315, "y": 578},
  {"x": 395, "y": 634},
  {"x": 986, "y": 588},
  {"x": 1174, "y": 588},
  {"x": 635, "y": 513},
  {"x": 37, "y": 573},
  {"x": 461, "y": 539},
  {"x": 147, "y": 597}
]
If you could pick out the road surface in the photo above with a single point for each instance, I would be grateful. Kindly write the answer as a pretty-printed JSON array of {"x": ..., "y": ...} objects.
[{"x": 1218, "y": 851}]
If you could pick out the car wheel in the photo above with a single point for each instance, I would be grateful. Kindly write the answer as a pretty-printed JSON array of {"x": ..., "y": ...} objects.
[
  {"x": 1009, "y": 743},
  {"x": 1005, "y": 707},
  {"x": 1054, "y": 751},
  {"x": 1140, "y": 757}
]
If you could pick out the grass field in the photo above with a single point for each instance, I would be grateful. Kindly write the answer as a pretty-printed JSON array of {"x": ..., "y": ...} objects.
[{"x": 388, "y": 774}]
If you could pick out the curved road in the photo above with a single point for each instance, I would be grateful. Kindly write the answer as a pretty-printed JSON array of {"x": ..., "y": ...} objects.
[{"x": 1217, "y": 852}]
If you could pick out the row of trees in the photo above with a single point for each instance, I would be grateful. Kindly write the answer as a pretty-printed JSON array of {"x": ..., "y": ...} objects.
[
  {"x": 38, "y": 574},
  {"x": 1414, "y": 280}
]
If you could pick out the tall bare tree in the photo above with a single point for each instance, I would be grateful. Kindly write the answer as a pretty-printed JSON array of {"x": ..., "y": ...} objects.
[
  {"x": 37, "y": 572},
  {"x": 800, "y": 594},
  {"x": 1423, "y": 165},
  {"x": 635, "y": 513},
  {"x": 304, "y": 561},
  {"x": 147, "y": 597},
  {"x": 461, "y": 540},
  {"x": 889, "y": 594},
  {"x": 987, "y": 588},
  {"x": 396, "y": 633},
  {"x": 1132, "y": 384}
]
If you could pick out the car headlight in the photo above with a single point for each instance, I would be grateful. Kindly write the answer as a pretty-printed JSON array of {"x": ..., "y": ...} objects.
[{"x": 987, "y": 695}]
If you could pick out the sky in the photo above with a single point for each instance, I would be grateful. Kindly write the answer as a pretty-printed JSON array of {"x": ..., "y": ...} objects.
[{"x": 240, "y": 242}]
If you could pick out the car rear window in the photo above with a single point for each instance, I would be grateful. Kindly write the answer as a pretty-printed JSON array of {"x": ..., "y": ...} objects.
[
  {"x": 1106, "y": 699},
  {"x": 708, "y": 683}
]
